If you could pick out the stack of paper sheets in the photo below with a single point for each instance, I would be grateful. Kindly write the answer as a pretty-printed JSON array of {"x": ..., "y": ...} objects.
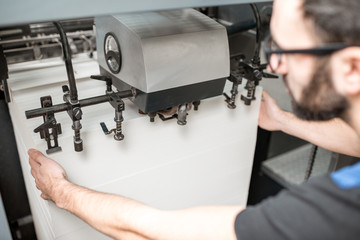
[{"x": 206, "y": 162}]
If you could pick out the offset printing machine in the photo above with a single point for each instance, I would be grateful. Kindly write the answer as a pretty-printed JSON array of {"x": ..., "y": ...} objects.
[{"x": 159, "y": 77}]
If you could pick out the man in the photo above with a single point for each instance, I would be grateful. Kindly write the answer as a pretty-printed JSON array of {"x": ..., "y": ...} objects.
[{"x": 323, "y": 86}]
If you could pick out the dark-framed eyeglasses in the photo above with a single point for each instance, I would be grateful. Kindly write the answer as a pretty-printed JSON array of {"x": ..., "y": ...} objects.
[{"x": 273, "y": 52}]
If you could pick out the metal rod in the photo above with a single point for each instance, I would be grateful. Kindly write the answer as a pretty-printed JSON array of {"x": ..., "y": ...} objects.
[
  {"x": 68, "y": 63},
  {"x": 83, "y": 103},
  {"x": 48, "y": 37}
]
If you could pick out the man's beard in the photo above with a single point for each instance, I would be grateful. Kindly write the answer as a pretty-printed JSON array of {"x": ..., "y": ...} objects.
[{"x": 319, "y": 100}]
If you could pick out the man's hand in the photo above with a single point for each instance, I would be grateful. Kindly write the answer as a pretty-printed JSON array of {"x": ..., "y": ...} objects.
[
  {"x": 270, "y": 113},
  {"x": 48, "y": 174}
]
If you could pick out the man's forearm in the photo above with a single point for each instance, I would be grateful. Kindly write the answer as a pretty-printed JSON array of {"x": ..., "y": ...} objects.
[
  {"x": 334, "y": 135},
  {"x": 124, "y": 218},
  {"x": 110, "y": 214}
]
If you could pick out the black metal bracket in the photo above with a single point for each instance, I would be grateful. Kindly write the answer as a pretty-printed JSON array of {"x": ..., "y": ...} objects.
[
  {"x": 50, "y": 129},
  {"x": 251, "y": 70}
]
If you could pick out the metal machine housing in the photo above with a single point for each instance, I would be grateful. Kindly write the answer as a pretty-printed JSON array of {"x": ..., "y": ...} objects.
[{"x": 168, "y": 56}]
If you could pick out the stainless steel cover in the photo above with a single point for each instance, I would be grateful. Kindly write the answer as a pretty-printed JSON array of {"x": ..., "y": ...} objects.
[{"x": 165, "y": 49}]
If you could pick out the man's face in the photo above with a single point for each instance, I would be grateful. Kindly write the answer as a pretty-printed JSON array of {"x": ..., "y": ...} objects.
[
  {"x": 320, "y": 100},
  {"x": 307, "y": 78}
]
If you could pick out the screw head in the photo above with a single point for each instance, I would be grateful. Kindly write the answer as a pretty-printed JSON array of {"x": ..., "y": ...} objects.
[
  {"x": 77, "y": 113},
  {"x": 119, "y": 137}
]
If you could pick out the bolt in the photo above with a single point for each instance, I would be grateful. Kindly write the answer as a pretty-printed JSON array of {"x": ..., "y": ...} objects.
[
  {"x": 77, "y": 113},
  {"x": 257, "y": 74}
]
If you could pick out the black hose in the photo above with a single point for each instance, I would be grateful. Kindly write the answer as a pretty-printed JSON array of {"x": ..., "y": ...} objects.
[
  {"x": 68, "y": 63},
  {"x": 258, "y": 28}
]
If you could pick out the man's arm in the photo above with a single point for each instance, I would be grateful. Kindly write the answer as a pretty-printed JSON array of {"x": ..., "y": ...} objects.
[
  {"x": 123, "y": 218},
  {"x": 334, "y": 135}
]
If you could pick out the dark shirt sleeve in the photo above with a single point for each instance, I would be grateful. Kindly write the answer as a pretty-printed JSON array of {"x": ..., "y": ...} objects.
[{"x": 318, "y": 209}]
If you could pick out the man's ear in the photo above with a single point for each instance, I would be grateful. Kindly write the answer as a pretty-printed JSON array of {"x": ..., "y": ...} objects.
[{"x": 351, "y": 70}]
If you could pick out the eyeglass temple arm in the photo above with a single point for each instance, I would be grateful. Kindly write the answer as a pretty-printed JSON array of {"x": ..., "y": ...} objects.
[{"x": 265, "y": 74}]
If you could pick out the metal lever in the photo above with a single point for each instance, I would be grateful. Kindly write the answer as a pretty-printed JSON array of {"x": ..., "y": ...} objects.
[
  {"x": 108, "y": 81},
  {"x": 117, "y": 136}
]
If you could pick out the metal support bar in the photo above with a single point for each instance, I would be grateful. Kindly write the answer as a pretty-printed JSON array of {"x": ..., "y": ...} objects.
[{"x": 83, "y": 103}]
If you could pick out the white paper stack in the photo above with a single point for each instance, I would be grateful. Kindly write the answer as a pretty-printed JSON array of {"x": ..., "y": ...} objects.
[{"x": 206, "y": 162}]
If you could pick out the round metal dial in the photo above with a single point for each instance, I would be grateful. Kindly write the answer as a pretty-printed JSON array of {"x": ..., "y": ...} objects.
[{"x": 112, "y": 53}]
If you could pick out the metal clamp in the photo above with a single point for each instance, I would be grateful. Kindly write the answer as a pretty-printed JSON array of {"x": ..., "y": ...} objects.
[
  {"x": 50, "y": 129},
  {"x": 119, "y": 107}
]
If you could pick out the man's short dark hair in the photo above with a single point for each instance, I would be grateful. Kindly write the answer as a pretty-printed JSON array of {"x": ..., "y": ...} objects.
[{"x": 334, "y": 20}]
